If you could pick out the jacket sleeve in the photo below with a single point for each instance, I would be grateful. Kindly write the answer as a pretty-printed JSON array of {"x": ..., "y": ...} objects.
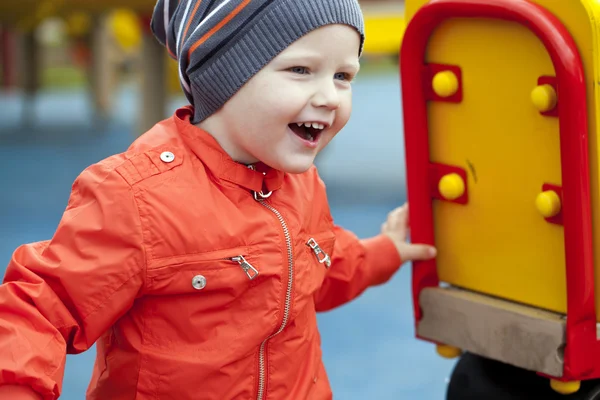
[
  {"x": 356, "y": 264},
  {"x": 59, "y": 296}
]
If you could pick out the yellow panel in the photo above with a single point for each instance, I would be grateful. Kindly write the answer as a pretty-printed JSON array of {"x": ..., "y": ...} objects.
[
  {"x": 499, "y": 243},
  {"x": 510, "y": 151}
]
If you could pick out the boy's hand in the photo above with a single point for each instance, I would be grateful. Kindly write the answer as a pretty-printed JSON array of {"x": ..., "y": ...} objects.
[{"x": 396, "y": 228}]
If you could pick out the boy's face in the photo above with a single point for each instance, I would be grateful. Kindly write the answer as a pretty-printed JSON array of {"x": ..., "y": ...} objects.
[{"x": 308, "y": 84}]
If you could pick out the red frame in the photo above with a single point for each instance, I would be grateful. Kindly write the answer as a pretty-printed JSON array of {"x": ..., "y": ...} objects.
[{"x": 582, "y": 347}]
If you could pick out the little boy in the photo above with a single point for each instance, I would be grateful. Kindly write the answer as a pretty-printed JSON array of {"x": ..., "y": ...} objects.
[{"x": 197, "y": 260}]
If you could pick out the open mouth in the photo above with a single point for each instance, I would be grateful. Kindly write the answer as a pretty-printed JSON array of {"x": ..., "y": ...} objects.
[{"x": 309, "y": 131}]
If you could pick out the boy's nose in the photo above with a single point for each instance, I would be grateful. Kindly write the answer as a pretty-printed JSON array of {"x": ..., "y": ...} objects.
[{"x": 326, "y": 96}]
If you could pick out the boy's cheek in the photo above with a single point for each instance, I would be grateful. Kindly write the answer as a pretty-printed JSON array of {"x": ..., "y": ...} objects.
[{"x": 343, "y": 116}]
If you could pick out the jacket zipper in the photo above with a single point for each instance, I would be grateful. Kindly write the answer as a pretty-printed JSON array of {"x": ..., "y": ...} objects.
[
  {"x": 322, "y": 257},
  {"x": 250, "y": 271},
  {"x": 288, "y": 298}
]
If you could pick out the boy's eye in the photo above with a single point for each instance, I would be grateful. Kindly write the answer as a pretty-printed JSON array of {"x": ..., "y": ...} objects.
[
  {"x": 299, "y": 70},
  {"x": 343, "y": 76}
]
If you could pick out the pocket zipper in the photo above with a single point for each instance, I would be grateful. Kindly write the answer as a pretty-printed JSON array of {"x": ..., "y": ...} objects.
[
  {"x": 250, "y": 271},
  {"x": 322, "y": 257}
]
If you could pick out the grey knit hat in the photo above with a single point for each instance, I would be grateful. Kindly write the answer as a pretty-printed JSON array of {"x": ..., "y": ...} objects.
[{"x": 221, "y": 44}]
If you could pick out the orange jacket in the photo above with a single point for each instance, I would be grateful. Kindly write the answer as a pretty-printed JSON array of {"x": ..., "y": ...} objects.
[{"x": 190, "y": 287}]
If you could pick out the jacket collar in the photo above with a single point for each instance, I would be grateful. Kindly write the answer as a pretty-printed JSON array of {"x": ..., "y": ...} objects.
[{"x": 259, "y": 178}]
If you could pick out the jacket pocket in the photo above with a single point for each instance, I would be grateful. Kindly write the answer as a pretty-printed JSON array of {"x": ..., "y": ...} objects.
[
  {"x": 313, "y": 263},
  {"x": 196, "y": 306},
  {"x": 321, "y": 247},
  {"x": 208, "y": 272}
]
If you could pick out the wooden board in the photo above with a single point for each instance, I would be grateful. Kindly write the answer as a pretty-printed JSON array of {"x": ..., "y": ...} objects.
[{"x": 516, "y": 334}]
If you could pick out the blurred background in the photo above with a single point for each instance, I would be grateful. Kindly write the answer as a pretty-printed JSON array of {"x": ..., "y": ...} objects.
[{"x": 81, "y": 79}]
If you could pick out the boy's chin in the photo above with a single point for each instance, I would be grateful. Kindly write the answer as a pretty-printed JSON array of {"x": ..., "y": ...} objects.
[{"x": 296, "y": 166}]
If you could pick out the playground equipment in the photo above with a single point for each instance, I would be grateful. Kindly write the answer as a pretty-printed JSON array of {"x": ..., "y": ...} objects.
[{"x": 501, "y": 104}]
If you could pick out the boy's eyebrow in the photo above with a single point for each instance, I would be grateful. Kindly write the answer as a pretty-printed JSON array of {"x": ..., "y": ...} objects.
[{"x": 352, "y": 65}]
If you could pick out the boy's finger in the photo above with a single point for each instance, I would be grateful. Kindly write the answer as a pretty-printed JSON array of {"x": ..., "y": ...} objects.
[
  {"x": 398, "y": 216},
  {"x": 398, "y": 209},
  {"x": 419, "y": 252},
  {"x": 392, "y": 214}
]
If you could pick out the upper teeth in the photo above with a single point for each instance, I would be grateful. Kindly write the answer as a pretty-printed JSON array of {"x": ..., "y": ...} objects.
[{"x": 315, "y": 125}]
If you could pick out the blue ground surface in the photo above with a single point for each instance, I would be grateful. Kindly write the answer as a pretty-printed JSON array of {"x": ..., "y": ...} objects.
[{"x": 369, "y": 345}]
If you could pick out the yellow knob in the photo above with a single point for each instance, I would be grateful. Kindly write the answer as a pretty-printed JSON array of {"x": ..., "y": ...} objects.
[
  {"x": 448, "y": 351},
  {"x": 445, "y": 83},
  {"x": 451, "y": 186},
  {"x": 565, "y": 387},
  {"x": 548, "y": 203},
  {"x": 544, "y": 98}
]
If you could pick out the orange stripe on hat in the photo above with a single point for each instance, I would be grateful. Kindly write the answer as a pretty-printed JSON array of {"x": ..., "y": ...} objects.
[
  {"x": 225, "y": 20},
  {"x": 187, "y": 27}
]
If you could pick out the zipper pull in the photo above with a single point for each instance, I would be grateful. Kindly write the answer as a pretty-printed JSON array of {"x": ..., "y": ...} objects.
[
  {"x": 322, "y": 257},
  {"x": 250, "y": 271}
]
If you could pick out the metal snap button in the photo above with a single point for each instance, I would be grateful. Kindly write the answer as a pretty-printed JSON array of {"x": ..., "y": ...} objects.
[
  {"x": 167, "y": 156},
  {"x": 199, "y": 282}
]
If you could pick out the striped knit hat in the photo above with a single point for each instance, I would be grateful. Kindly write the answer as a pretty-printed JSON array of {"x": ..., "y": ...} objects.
[{"x": 221, "y": 44}]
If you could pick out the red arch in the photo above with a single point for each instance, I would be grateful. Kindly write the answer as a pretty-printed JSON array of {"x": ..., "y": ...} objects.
[{"x": 573, "y": 123}]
